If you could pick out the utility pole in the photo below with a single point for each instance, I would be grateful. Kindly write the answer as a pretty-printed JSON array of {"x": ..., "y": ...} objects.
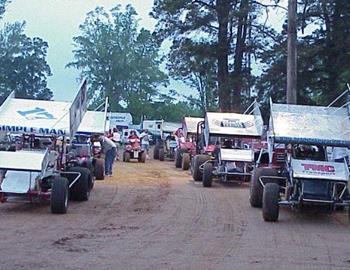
[{"x": 292, "y": 53}]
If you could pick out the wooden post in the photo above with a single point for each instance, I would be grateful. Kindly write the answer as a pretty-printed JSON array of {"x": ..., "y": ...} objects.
[{"x": 292, "y": 53}]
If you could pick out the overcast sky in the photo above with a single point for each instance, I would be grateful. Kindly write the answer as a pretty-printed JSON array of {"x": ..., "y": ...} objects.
[{"x": 57, "y": 22}]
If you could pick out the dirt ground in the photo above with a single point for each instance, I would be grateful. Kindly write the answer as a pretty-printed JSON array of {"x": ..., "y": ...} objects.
[{"x": 153, "y": 216}]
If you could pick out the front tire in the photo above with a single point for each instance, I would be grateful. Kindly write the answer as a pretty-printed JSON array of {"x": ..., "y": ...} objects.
[
  {"x": 100, "y": 169},
  {"x": 178, "y": 158},
  {"x": 271, "y": 198},
  {"x": 161, "y": 154},
  {"x": 80, "y": 191},
  {"x": 255, "y": 187},
  {"x": 186, "y": 159},
  {"x": 59, "y": 195},
  {"x": 207, "y": 175},
  {"x": 197, "y": 162},
  {"x": 156, "y": 151}
]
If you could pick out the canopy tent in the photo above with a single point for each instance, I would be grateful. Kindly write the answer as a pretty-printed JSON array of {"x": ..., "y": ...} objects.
[
  {"x": 189, "y": 125},
  {"x": 309, "y": 125}
]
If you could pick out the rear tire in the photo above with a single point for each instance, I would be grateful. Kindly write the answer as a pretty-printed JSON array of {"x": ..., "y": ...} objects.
[
  {"x": 207, "y": 175},
  {"x": 186, "y": 159},
  {"x": 197, "y": 162},
  {"x": 255, "y": 187},
  {"x": 161, "y": 154},
  {"x": 127, "y": 157},
  {"x": 100, "y": 169},
  {"x": 142, "y": 157},
  {"x": 59, "y": 195},
  {"x": 178, "y": 158},
  {"x": 80, "y": 191},
  {"x": 271, "y": 198},
  {"x": 156, "y": 152}
]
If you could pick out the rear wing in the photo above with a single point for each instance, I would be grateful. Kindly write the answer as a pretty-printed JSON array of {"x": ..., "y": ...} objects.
[
  {"x": 34, "y": 161},
  {"x": 301, "y": 124},
  {"x": 234, "y": 124},
  {"x": 94, "y": 122},
  {"x": 189, "y": 125},
  {"x": 42, "y": 117}
]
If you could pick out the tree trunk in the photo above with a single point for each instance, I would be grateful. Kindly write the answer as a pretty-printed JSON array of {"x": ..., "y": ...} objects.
[
  {"x": 223, "y": 11},
  {"x": 292, "y": 53},
  {"x": 242, "y": 28}
]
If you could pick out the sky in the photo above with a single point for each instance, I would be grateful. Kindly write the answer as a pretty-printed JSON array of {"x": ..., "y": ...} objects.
[{"x": 57, "y": 22}]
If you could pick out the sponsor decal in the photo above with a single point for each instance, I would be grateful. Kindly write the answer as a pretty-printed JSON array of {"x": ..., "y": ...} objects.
[
  {"x": 36, "y": 113},
  {"x": 233, "y": 123},
  {"x": 319, "y": 168},
  {"x": 21, "y": 129}
]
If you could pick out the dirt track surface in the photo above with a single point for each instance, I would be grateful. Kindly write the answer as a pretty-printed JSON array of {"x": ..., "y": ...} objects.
[{"x": 153, "y": 216}]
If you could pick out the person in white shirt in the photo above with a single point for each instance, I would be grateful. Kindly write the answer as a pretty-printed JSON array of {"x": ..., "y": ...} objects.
[
  {"x": 145, "y": 141},
  {"x": 116, "y": 138}
]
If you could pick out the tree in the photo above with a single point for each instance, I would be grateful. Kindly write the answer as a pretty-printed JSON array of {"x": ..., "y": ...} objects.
[
  {"x": 119, "y": 60},
  {"x": 189, "y": 62},
  {"x": 323, "y": 55},
  {"x": 229, "y": 29},
  {"x": 3, "y": 4},
  {"x": 23, "y": 66}
]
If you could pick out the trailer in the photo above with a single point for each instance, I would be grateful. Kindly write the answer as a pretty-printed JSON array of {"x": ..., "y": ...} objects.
[
  {"x": 38, "y": 169},
  {"x": 299, "y": 172}
]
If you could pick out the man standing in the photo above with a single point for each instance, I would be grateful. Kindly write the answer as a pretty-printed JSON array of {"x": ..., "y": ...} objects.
[
  {"x": 109, "y": 148},
  {"x": 145, "y": 141}
]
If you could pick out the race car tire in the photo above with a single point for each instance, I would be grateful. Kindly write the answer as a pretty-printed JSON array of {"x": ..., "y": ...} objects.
[
  {"x": 161, "y": 154},
  {"x": 99, "y": 169},
  {"x": 178, "y": 157},
  {"x": 59, "y": 195},
  {"x": 186, "y": 159},
  {"x": 156, "y": 151},
  {"x": 197, "y": 175},
  {"x": 207, "y": 175},
  {"x": 271, "y": 196},
  {"x": 80, "y": 190},
  {"x": 255, "y": 188}
]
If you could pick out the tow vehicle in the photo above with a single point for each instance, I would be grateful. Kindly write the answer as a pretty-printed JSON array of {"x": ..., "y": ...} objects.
[
  {"x": 186, "y": 143},
  {"x": 299, "y": 172},
  {"x": 39, "y": 169}
]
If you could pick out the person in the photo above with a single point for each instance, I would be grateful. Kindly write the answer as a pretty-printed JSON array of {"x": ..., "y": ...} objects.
[
  {"x": 133, "y": 135},
  {"x": 116, "y": 137},
  {"x": 145, "y": 142},
  {"x": 109, "y": 148}
]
